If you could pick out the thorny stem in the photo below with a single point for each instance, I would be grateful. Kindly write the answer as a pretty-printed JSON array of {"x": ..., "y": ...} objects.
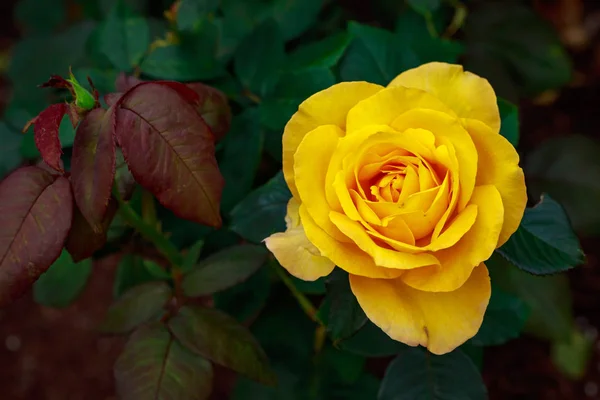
[{"x": 149, "y": 232}]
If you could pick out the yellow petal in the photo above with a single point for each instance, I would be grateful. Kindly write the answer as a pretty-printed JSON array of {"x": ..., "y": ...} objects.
[
  {"x": 445, "y": 126},
  {"x": 328, "y": 107},
  {"x": 439, "y": 321},
  {"x": 499, "y": 166},
  {"x": 383, "y": 107},
  {"x": 311, "y": 162},
  {"x": 467, "y": 94},
  {"x": 347, "y": 256},
  {"x": 295, "y": 252},
  {"x": 383, "y": 257},
  {"x": 475, "y": 246}
]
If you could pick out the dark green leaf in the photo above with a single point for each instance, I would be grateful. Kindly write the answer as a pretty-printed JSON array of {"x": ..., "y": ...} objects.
[
  {"x": 63, "y": 282},
  {"x": 124, "y": 37},
  {"x": 314, "y": 287},
  {"x": 417, "y": 374},
  {"x": 241, "y": 156},
  {"x": 224, "y": 269},
  {"x": 155, "y": 366},
  {"x": 547, "y": 297},
  {"x": 324, "y": 53},
  {"x": 156, "y": 270},
  {"x": 509, "y": 114},
  {"x": 424, "y": 6},
  {"x": 191, "y": 258},
  {"x": 345, "y": 315},
  {"x": 371, "y": 341},
  {"x": 507, "y": 38},
  {"x": 568, "y": 168},
  {"x": 544, "y": 242},
  {"x": 302, "y": 84},
  {"x": 246, "y": 300},
  {"x": 475, "y": 353},
  {"x": 348, "y": 367},
  {"x": 221, "y": 339},
  {"x": 259, "y": 58},
  {"x": 192, "y": 12},
  {"x": 263, "y": 211},
  {"x": 375, "y": 55},
  {"x": 504, "y": 319},
  {"x": 140, "y": 304},
  {"x": 10, "y": 156},
  {"x": 130, "y": 273},
  {"x": 192, "y": 59},
  {"x": 40, "y": 16}
]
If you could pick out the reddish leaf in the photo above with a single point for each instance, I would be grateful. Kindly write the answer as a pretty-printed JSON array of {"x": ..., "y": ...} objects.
[
  {"x": 58, "y": 82},
  {"x": 111, "y": 98},
  {"x": 125, "y": 82},
  {"x": 170, "y": 151},
  {"x": 93, "y": 165},
  {"x": 42, "y": 164},
  {"x": 83, "y": 241},
  {"x": 213, "y": 106},
  {"x": 124, "y": 181},
  {"x": 36, "y": 210},
  {"x": 46, "y": 128}
]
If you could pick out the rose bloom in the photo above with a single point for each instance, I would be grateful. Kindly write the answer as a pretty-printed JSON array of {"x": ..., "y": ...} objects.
[{"x": 409, "y": 188}]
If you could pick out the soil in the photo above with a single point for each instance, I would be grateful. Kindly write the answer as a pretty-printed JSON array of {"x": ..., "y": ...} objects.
[{"x": 49, "y": 354}]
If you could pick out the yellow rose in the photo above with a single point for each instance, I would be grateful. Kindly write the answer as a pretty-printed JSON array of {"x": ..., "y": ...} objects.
[{"x": 408, "y": 188}]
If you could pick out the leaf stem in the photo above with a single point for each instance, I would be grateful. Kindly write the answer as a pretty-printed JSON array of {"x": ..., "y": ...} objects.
[
  {"x": 164, "y": 245},
  {"x": 308, "y": 308}
]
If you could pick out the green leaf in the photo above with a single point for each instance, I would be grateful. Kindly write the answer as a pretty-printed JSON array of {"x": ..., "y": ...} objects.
[
  {"x": 547, "y": 297},
  {"x": 515, "y": 49},
  {"x": 509, "y": 115},
  {"x": 262, "y": 212},
  {"x": 155, "y": 366},
  {"x": 104, "y": 80},
  {"x": 221, "y": 339},
  {"x": 139, "y": 304},
  {"x": 425, "y": 7},
  {"x": 324, "y": 53},
  {"x": 417, "y": 374},
  {"x": 63, "y": 282},
  {"x": 375, "y": 56},
  {"x": 573, "y": 356},
  {"x": 83, "y": 98},
  {"x": 246, "y": 300},
  {"x": 10, "y": 156},
  {"x": 348, "y": 367},
  {"x": 259, "y": 57},
  {"x": 40, "y": 16},
  {"x": 308, "y": 287},
  {"x": 568, "y": 168},
  {"x": 504, "y": 319},
  {"x": 191, "y": 258},
  {"x": 191, "y": 13},
  {"x": 224, "y": 269},
  {"x": 345, "y": 316},
  {"x": 130, "y": 272},
  {"x": 156, "y": 270},
  {"x": 241, "y": 155},
  {"x": 544, "y": 242},
  {"x": 124, "y": 37},
  {"x": 66, "y": 134},
  {"x": 193, "y": 59},
  {"x": 371, "y": 341}
]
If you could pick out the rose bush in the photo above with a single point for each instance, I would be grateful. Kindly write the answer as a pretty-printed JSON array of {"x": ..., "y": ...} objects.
[{"x": 409, "y": 188}]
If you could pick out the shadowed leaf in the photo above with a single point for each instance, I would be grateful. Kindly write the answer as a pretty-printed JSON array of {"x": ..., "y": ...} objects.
[
  {"x": 224, "y": 269},
  {"x": 46, "y": 134},
  {"x": 170, "y": 151},
  {"x": 36, "y": 210},
  {"x": 221, "y": 339},
  {"x": 93, "y": 165},
  {"x": 155, "y": 366},
  {"x": 138, "y": 305},
  {"x": 345, "y": 315},
  {"x": 83, "y": 241}
]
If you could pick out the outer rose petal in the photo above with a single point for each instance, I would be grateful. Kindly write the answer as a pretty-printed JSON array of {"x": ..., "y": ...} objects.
[
  {"x": 469, "y": 95},
  {"x": 310, "y": 168},
  {"x": 329, "y": 106},
  {"x": 295, "y": 252},
  {"x": 499, "y": 165},
  {"x": 439, "y": 321},
  {"x": 476, "y": 246},
  {"x": 347, "y": 256}
]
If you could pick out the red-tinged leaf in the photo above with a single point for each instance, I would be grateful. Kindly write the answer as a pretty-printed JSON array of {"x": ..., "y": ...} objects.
[
  {"x": 125, "y": 82},
  {"x": 74, "y": 115},
  {"x": 45, "y": 130},
  {"x": 58, "y": 82},
  {"x": 93, "y": 165},
  {"x": 112, "y": 98},
  {"x": 42, "y": 164},
  {"x": 170, "y": 151},
  {"x": 124, "y": 181},
  {"x": 213, "y": 106},
  {"x": 83, "y": 241},
  {"x": 154, "y": 366},
  {"x": 36, "y": 210}
]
